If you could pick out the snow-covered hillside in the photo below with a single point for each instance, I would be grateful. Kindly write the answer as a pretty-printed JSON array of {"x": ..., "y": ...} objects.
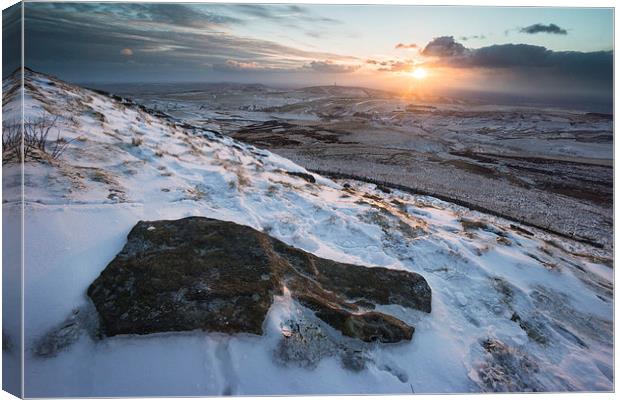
[{"x": 513, "y": 308}]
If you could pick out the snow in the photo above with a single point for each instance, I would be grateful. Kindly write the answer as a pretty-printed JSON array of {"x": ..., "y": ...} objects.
[{"x": 80, "y": 208}]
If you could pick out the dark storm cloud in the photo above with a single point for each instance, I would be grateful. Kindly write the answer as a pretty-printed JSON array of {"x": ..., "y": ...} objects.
[
  {"x": 592, "y": 65},
  {"x": 166, "y": 41},
  {"x": 541, "y": 28},
  {"x": 524, "y": 65},
  {"x": 525, "y": 55}
]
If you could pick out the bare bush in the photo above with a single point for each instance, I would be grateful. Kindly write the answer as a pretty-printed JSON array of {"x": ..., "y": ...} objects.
[
  {"x": 11, "y": 141},
  {"x": 30, "y": 140}
]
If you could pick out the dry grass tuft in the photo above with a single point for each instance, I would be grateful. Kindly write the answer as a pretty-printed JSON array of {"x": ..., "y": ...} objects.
[
  {"x": 137, "y": 141},
  {"x": 30, "y": 141}
]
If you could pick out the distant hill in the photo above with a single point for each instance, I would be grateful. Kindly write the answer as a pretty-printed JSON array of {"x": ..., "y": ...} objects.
[{"x": 348, "y": 91}]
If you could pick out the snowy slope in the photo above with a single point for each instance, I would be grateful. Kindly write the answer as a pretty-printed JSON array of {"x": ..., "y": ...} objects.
[{"x": 512, "y": 310}]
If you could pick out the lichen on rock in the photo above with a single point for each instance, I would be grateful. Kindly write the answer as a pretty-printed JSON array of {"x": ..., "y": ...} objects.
[{"x": 201, "y": 273}]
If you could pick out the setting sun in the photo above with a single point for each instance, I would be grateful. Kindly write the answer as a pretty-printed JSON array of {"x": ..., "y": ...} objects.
[{"x": 419, "y": 73}]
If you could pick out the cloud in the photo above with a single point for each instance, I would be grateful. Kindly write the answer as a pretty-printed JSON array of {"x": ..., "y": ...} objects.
[
  {"x": 406, "y": 46},
  {"x": 255, "y": 10},
  {"x": 127, "y": 52},
  {"x": 11, "y": 39},
  {"x": 177, "y": 15},
  {"x": 314, "y": 34},
  {"x": 541, "y": 28},
  {"x": 392, "y": 65},
  {"x": 234, "y": 65},
  {"x": 531, "y": 65},
  {"x": 397, "y": 66},
  {"x": 444, "y": 46},
  {"x": 81, "y": 41},
  {"x": 180, "y": 15},
  {"x": 289, "y": 14},
  {"x": 472, "y": 37},
  {"x": 376, "y": 62},
  {"x": 331, "y": 67},
  {"x": 530, "y": 56}
]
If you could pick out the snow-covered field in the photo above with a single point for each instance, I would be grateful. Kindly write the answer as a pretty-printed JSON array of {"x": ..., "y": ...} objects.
[
  {"x": 509, "y": 130},
  {"x": 513, "y": 308},
  {"x": 547, "y": 167}
]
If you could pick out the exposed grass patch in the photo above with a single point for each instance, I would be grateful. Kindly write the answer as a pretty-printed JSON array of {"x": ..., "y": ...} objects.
[
  {"x": 307, "y": 177},
  {"x": 272, "y": 190},
  {"x": 502, "y": 240},
  {"x": 137, "y": 141},
  {"x": 471, "y": 225},
  {"x": 519, "y": 229},
  {"x": 102, "y": 177},
  {"x": 197, "y": 193}
]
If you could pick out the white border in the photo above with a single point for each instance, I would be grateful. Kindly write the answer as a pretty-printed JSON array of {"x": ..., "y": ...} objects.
[{"x": 487, "y": 3}]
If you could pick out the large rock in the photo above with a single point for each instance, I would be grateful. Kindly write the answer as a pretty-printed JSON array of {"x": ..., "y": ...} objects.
[{"x": 201, "y": 273}]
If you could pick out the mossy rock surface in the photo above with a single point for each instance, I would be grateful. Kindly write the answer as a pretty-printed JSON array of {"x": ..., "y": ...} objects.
[{"x": 218, "y": 276}]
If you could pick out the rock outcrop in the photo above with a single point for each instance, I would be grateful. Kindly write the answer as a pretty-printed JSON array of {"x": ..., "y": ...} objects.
[{"x": 201, "y": 273}]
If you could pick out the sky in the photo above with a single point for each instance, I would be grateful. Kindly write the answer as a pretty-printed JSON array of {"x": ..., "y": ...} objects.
[{"x": 525, "y": 51}]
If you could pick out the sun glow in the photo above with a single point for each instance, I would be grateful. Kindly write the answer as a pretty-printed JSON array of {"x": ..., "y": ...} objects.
[{"x": 419, "y": 73}]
